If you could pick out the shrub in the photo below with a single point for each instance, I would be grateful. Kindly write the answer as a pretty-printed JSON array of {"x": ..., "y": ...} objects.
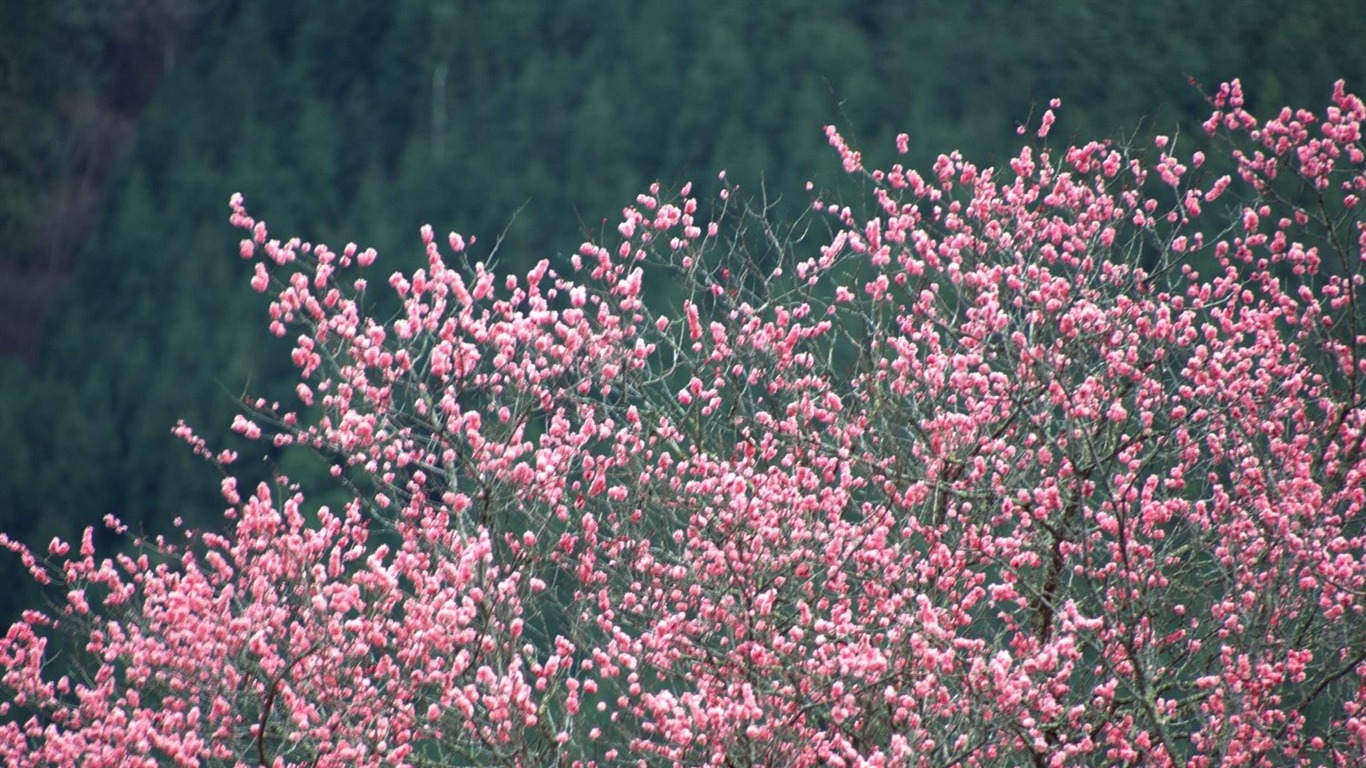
[{"x": 1058, "y": 463}]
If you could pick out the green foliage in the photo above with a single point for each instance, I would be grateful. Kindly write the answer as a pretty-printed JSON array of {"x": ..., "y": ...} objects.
[{"x": 14, "y": 171}]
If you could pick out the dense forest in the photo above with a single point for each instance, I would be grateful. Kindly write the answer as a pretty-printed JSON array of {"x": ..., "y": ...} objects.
[{"x": 125, "y": 126}]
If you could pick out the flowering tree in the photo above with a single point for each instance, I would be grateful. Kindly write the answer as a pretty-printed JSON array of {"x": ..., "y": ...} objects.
[{"x": 1051, "y": 464}]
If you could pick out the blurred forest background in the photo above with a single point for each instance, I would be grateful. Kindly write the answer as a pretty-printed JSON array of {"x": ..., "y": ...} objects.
[{"x": 126, "y": 124}]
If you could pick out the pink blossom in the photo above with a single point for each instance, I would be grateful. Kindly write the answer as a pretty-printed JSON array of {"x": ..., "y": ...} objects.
[{"x": 998, "y": 473}]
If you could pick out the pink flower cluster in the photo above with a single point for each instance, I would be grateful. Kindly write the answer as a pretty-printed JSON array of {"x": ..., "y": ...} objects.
[{"x": 1056, "y": 464}]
